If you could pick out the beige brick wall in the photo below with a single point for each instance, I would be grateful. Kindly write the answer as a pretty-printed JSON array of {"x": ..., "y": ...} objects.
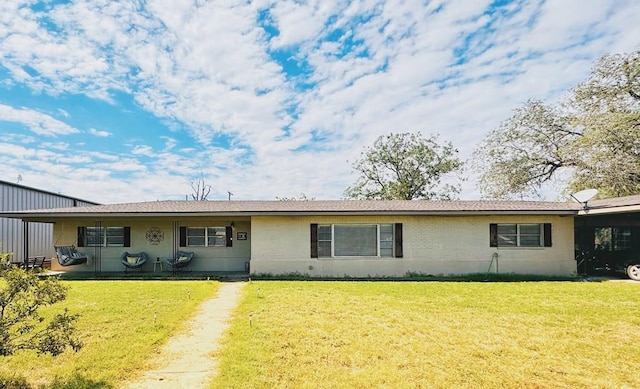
[{"x": 438, "y": 245}]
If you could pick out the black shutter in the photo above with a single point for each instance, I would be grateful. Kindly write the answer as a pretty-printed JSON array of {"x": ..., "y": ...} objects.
[
  {"x": 127, "y": 236},
  {"x": 82, "y": 233},
  {"x": 314, "y": 241},
  {"x": 398, "y": 240},
  {"x": 229, "y": 234},
  {"x": 493, "y": 235},
  {"x": 547, "y": 234},
  {"x": 183, "y": 236}
]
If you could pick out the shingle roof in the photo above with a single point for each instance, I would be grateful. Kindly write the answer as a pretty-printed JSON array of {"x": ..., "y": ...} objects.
[
  {"x": 615, "y": 202},
  {"x": 158, "y": 208}
]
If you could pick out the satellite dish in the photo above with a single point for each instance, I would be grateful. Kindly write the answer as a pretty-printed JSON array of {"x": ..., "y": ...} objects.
[{"x": 584, "y": 196}]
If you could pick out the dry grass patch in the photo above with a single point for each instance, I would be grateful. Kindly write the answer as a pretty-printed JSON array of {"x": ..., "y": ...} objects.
[
  {"x": 444, "y": 334},
  {"x": 122, "y": 323}
]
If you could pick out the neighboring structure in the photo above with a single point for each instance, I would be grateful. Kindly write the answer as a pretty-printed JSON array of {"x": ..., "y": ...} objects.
[
  {"x": 325, "y": 238},
  {"x": 14, "y": 197},
  {"x": 607, "y": 235}
]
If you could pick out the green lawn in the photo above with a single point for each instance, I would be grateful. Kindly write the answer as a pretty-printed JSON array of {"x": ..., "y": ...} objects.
[
  {"x": 433, "y": 334},
  {"x": 121, "y": 324}
]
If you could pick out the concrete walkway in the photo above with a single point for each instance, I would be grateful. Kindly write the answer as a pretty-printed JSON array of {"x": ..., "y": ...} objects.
[{"x": 185, "y": 361}]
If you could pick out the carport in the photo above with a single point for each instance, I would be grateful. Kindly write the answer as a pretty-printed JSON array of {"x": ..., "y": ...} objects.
[{"x": 607, "y": 237}]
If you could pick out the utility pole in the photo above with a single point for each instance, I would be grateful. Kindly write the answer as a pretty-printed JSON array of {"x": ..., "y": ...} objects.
[{"x": 230, "y": 194}]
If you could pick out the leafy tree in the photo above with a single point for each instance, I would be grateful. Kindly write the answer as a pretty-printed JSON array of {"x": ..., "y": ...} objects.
[
  {"x": 590, "y": 140},
  {"x": 22, "y": 327},
  {"x": 405, "y": 167}
]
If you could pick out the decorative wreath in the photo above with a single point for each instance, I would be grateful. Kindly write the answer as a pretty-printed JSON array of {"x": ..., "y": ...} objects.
[{"x": 155, "y": 235}]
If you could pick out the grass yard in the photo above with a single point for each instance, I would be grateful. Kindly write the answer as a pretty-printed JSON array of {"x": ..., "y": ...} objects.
[
  {"x": 434, "y": 334},
  {"x": 121, "y": 324}
]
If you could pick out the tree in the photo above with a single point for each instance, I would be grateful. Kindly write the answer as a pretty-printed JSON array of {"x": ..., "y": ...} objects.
[
  {"x": 303, "y": 197},
  {"x": 590, "y": 140},
  {"x": 405, "y": 167},
  {"x": 21, "y": 326},
  {"x": 200, "y": 189}
]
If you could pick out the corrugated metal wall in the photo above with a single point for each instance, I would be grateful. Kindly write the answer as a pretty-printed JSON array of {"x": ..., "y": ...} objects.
[{"x": 19, "y": 198}]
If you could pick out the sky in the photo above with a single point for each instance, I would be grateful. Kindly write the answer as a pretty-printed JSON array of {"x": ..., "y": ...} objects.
[{"x": 126, "y": 101}]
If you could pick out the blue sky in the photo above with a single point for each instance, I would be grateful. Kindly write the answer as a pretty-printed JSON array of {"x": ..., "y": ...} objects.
[{"x": 118, "y": 101}]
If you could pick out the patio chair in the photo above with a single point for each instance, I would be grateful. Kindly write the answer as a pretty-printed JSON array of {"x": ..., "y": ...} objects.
[
  {"x": 180, "y": 261},
  {"x": 133, "y": 261},
  {"x": 68, "y": 256}
]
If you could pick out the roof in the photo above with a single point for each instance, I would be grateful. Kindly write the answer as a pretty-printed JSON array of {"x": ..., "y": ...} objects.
[
  {"x": 45, "y": 192},
  {"x": 613, "y": 205},
  {"x": 314, "y": 207}
]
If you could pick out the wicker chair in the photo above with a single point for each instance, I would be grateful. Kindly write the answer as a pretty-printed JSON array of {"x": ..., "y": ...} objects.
[
  {"x": 180, "y": 261},
  {"x": 133, "y": 261}
]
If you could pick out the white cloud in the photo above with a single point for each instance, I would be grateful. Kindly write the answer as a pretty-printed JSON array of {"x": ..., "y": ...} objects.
[
  {"x": 102, "y": 134},
  {"x": 206, "y": 69},
  {"x": 37, "y": 122}
]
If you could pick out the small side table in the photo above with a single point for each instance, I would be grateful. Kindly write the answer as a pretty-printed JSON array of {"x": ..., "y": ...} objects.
[{"x": 157, "y": 263}]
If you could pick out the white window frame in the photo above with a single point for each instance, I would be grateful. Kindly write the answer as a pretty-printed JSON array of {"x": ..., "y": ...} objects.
[
  {"x": 378, "y": 241},
  {"x": 102, "y": 233},
  {"x": 518, "y": 235},
  {"x": 207, "y": 236}
]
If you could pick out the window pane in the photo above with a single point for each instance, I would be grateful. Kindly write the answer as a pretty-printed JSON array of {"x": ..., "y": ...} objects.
[
  {"x": 530, "y": 240},
  {"x": 529, "y": 235},
  {"x": 115, "y": 236},
  {"x": 356, "y": 240},
  {"x": 324, "y": 241},
  {"x": 195, "y": 231},
  {"x": 602, "y": 239},
  {"x": 507, "y": 229},
  {"x": 217, "y": 236},
  {"x": 621, "y": 238},
  {"x": 507, "y": 235},
  {"x": 195, "y": 236},
  {"x": 94, "y": 236},
  {"x": 324, "y": 248},
  {"x": 324, "y": 232},
  {"x": 195, "y": 240},
  {"x": 386, "y": 240},
  {"x": 529, "y": 229}
]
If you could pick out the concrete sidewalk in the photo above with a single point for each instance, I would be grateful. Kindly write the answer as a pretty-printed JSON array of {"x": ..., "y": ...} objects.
[{"x": 185, "y": 361}]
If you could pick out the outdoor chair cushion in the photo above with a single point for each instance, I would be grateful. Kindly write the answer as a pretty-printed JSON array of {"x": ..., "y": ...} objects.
[{"x": 131, "y": 261}]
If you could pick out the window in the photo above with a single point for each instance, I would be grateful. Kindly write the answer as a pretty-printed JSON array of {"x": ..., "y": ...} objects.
[
  {"x": 355, "y": 240},
  {"x": 324, "y": 241},
  {"x": 520, "y": 235},
  {"x": 104, "y": 236},
  {"x": 612, "y": 238},
  {"x": 205, "y": 236}
]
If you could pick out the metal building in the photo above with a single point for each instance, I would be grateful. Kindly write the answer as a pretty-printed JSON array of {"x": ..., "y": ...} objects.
[{"x": 15, "y": 197}]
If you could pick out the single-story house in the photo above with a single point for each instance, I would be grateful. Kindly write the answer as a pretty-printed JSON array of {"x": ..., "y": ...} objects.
[
  {"x": 351, "y": 238},
  {"x": 324, "y": 238}
]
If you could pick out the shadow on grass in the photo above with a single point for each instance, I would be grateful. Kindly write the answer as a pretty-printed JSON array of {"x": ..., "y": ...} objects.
[
  {"x": 475, "y": 277},
  {"x": 76, "y": 381},
  {"x": 162, "y": 276}
]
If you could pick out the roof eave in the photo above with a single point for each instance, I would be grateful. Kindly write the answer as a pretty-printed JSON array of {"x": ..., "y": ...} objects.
[
  {"x": 65, "y": 215},
  {"x": 609, "y": 210}
]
